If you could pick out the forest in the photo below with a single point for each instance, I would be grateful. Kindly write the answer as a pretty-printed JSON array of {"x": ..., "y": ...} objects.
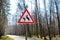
[{"x": 47, "y": 19}]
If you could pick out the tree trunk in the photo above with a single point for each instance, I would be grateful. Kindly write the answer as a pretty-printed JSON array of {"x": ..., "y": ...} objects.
[
  {"x": 2, "y": 18},
  {"x": 57, "y": 16}
]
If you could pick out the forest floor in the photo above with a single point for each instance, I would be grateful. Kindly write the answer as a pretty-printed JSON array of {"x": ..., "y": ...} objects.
[
  {"x": 34, "y": 38},
  {"x": 21, "y": 37}
]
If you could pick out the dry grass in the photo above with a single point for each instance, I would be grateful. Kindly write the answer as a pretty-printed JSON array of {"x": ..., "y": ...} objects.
[{"x": 6, "y": 38}]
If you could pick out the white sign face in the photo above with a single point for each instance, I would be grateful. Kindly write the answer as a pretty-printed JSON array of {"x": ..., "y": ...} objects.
[{"x": 26, "y": 18}]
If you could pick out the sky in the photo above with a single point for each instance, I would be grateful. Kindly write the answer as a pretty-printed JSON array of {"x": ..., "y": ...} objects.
[
  {"x": 30, "y": 3},
  {"x": 13, "y": 6}
]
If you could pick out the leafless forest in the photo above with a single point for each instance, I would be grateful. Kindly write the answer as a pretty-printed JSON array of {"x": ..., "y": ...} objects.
[{"x": 47, "y": 20}]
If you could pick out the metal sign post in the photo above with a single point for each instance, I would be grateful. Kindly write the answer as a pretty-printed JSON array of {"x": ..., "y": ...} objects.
[{"x": 26, "y": 33}]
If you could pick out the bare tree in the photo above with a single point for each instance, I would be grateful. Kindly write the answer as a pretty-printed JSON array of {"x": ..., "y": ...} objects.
[
  {"x": 46, "y": 17},
  {"x": 56, "y": 4},
  {"x": 36, "y": 17},
  {"x": 3, "y": 18}
]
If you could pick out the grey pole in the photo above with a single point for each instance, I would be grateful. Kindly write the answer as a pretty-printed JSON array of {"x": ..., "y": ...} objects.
[
  {"x": 25, "y": 25},
  {"x": 26, "y": 33}
]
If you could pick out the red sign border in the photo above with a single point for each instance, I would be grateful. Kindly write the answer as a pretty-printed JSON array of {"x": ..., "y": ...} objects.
[{"x": 19, "y": 20}]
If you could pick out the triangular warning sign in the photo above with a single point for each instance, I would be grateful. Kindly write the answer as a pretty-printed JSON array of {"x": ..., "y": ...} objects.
[{"x": 26, "y": 18}]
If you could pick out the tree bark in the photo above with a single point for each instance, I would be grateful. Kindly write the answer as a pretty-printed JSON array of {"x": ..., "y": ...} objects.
[{"x": 2, "y": 18}]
